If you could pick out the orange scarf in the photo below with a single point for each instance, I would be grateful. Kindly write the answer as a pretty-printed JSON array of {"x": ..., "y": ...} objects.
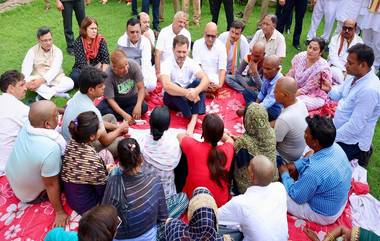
[
  {"x": 236, "y": 53},
  {"x": 91, "y": 50},
  {"x": 374, "y": 6},
  {"x": 342, "y": 42}
]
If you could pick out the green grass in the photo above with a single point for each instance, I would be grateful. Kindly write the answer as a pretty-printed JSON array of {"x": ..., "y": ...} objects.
[{"x": 19, "y": 26}]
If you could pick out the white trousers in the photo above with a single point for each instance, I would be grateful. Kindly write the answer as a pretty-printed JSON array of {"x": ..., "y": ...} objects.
[
  {"x": 150, "y": 79},
  {"x": 372, "y": 39},
  {"x": 326, "y": 8},
  {"x": 60, "y": 84},
  {"x": 304, "y": 211}
]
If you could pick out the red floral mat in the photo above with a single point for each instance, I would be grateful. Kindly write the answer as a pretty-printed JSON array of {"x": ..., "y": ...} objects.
[
  {"x": 26, "y": 222},
  {"x": 226, "y": 102},
  {"x": 19, "y": 221}
]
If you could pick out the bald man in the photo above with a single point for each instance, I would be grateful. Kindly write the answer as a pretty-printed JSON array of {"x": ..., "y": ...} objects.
[
  {"x": 34, "y": 175},
  {"x": 210, "y": 53},
  {"x": 164, "y": 45},
  {"x": 260, "y": 212},
  {"x": 290, "y": 125},
  {"x": 338, "y": 47},
  {"x": 271, "y": 73},
  {"x": 252, "y": 80},
  {"x": 145, "y": 28}
]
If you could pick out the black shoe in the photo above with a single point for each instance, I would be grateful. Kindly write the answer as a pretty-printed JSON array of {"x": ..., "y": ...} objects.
[
  {"x": 70, "y": 51},
  {"x": 296, "y": 46},
  {"x": 307, "y": 42},
  {"x": 157, "y": 28}
]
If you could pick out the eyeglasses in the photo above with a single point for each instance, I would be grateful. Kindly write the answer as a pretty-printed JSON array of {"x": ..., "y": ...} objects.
[
  {"x": 345, "y": 28},
  {"x": 210, "y": 36}
]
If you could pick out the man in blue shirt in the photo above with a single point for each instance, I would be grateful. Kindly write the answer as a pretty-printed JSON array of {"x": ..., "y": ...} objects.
[
  {"x": 321, "y": 191},
  {"x": 271, "y": 74},
  {"x": 359, "y": 104}
]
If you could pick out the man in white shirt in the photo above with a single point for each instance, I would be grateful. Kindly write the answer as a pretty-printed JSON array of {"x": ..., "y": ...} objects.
[
  {"x": 326, "y": 8},
  {"x": 211, "y": 55},
  {"x": 145, "y": 28},
  {"x": 338, "y": 47},
  {"x": 184, "y": 83},
  {"x": 13, "y": 113},
  {"x": 359, "y": 104},
  {"x": 273, "y": 39},
  {"x": 369, "y": 23},
  {"x": 138, "y": 48},
  {"x": 236, "y": 45},
  {"x": 261, "y": 211},
  {"x": 164, "y": 45},
  {"x": 42, "y": 68},
  {"x": 291, "y": 124}
]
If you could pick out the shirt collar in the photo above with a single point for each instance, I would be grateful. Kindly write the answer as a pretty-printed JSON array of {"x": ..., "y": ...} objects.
[{"x": 273, "y": 81}]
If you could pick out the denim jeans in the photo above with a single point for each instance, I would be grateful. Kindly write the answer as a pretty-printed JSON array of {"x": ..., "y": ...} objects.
[{"x": 187, "y": 107}]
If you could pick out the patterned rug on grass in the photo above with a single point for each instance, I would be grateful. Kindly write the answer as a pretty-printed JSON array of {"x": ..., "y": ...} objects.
[{"x": 225, "y": 104}]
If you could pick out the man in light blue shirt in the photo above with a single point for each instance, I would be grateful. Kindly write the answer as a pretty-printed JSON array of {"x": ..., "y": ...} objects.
[
  {"x": 359, "y": 104},
  {"x": 271, "y": 74},
  {"x": 91, "y": 86},
  {"x": 35, "y": 162},
  {"x": 320, "y": 192}
]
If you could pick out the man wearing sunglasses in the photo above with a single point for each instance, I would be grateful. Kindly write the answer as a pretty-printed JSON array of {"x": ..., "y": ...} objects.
[
  {"x": 338, "y": 47},
  {"x": 210, "y": 53}
]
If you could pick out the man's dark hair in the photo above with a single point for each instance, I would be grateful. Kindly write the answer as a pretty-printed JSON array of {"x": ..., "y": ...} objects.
[
  {"x": 132, "y": 22},
  {"x": 10, "y": 77},
  {"x": 364, "y": 53},
  {"x": 42, "y": 31},
  {"x": 237, "y": 25},
  {"x": 322, "y": 129},
  {"x": 180, "y": 40},
  {"x": 90, "y": 77}
]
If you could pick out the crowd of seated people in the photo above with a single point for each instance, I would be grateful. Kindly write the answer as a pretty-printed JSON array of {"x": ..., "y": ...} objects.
[{"x": 239, "y": 187}]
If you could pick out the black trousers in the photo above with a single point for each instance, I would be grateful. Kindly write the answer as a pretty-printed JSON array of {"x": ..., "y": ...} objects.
[
  {"x": 79, "y": 9},
  {"x": 354, "y": 152},
  {"x": 284, "y": 14},
  {"x": 228, "y": 7}
]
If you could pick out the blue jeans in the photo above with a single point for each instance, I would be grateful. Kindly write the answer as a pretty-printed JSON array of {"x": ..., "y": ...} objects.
[{"x": 187, "y": 107}]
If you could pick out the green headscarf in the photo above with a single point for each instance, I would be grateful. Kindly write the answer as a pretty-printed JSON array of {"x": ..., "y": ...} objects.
[{"x": 259, "y": 139}]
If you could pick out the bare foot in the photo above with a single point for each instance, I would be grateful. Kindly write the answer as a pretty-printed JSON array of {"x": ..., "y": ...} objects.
[{"x": 191, "y": 125}]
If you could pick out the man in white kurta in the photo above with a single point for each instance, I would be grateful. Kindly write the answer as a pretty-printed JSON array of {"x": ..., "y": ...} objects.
[
  {"x": 13, "y": 113},
  {"x": 42, "y": 68},
  {"x": 326, "y": 9},
  {"x": 211, "y": 55},
  {"x": 138, "y": 48},
  {"x": 236, "y": 45},
  {"x": 164, "y": 45},
  {"x": 369, "y": 22},
  {"x": 338, "y": 47}
]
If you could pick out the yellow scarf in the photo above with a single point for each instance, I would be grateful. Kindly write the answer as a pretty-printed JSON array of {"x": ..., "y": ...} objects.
[
  {"x": 236, "y": 54},
  {"x": 374, "y": 6}
]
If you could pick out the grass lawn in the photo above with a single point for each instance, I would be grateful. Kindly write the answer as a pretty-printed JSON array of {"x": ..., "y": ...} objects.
[{"x": 19, "y": 26}]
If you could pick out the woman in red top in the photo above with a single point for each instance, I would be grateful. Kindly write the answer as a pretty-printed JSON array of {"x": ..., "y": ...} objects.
[{"x": 208, "y": 164}]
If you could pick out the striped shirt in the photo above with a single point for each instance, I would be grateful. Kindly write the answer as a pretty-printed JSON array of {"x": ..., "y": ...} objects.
[
  {"x": 324, "y": 181},
  {"x": 140, "y": 201}
]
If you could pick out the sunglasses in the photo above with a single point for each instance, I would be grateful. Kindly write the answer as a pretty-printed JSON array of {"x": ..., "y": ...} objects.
[
  {"x": 210, "y": 36},
  {"x": 345, "y": 28}
]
